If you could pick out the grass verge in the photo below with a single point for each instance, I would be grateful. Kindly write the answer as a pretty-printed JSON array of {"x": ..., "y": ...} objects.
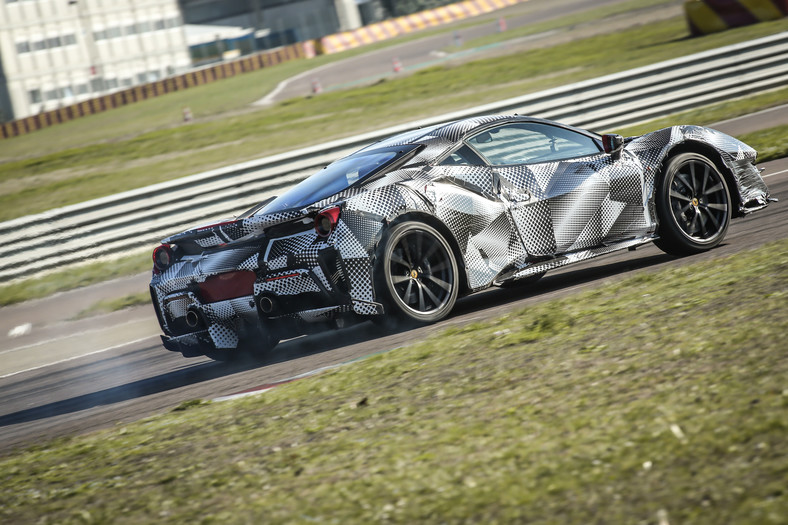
[
  {"x": 636, "y": 402},
  {"x": 770, "y": 143},
  {"x": 73, "y": 277},
  {"x": 718, "y": 112},
  {"x": 77, "y": 174},
  {"x": 113, "y": 305}
]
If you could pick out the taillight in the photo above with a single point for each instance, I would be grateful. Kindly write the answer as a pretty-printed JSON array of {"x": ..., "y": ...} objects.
[
  {"x": 163, "y": 257},
  {"x": 227, "y": 286},
  {"x": 326, "y": 221}
]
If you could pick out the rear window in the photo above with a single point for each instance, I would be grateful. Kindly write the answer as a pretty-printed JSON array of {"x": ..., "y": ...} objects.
[{"x": 336, "y": 177}]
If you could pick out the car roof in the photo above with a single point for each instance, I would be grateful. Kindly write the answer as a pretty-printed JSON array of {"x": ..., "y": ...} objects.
[{"x": 453, "y": 130}]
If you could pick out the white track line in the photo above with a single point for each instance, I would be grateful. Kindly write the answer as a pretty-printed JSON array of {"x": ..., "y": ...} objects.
[
  {"x": 775, "y": 173},
  {"x": 79, "y": 356},
  {"x": 269, "y": 98}
]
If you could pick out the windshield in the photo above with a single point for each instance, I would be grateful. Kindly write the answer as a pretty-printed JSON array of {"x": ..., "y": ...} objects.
[{"x": 336, "y": 177}]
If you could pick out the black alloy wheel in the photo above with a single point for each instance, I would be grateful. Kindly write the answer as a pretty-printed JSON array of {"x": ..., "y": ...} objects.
[
  {"x": 693, "y": 205},
  {"x": 419, "y": 273}
]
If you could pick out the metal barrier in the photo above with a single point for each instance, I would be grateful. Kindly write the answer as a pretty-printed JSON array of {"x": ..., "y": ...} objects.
[{"x": 119, "y": 223}]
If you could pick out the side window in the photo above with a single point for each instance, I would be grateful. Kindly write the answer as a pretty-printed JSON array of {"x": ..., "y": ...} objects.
[
  {"x": 464, "y": 156},
  {"x": 531, "y": 142}
]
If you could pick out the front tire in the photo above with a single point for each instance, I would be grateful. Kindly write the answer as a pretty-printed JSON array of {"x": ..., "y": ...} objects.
[
  {"x": 693, "y": 205},
  {"x": 417, "y": 274}
]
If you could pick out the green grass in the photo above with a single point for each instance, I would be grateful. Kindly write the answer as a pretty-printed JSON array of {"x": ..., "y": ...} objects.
[
  {"x": 73, "y": 175},
  {"x": 597, "y": 15},
  {"x": 706, "y": 115},
  {"x": 770, "y": 143},
  {"x": 73, "y": 277},
  {"x": 644, "y": 401},
  {"x": 112, "y": 305}
]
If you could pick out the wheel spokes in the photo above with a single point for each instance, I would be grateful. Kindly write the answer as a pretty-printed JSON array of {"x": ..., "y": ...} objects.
[
  {"x": 399, "y": 260},
  {"x": 420, "y": 272},
  {"x": 713, "y": 219},
  {"x": 399, "y": 279},
  {"x": 714, "y": 189},
  {"x": 680, "y": 196},
  {"x": 434, "y": 298},
  {"x": 422, "y": 305},
  {"x": 698, "y": 199},
  {"x": 682, "y": 178},
  {"x": 440, "y": 282}
]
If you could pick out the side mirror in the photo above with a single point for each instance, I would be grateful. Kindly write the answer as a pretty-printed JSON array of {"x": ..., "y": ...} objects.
[{"x": 612, "y": 143}]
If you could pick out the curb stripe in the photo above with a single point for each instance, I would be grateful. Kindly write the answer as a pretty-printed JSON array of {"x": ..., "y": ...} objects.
[
  {"x": 711, "y": 16},
  {"x": 414, "y": 22}
]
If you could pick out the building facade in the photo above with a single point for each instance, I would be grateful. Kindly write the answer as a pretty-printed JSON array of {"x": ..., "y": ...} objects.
[
  {"x": 55, "y": 53},
  {"x": 217, "y": 29}
]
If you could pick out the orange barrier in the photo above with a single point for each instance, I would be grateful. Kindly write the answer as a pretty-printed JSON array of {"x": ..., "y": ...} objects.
[
  {"x": 154, "y": 89},
  {"x": 406, "y": 24},
  {"x": 711, "y": 16}
]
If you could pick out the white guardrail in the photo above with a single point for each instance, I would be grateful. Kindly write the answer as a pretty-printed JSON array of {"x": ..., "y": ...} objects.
[{"x": 131, "y": 220}]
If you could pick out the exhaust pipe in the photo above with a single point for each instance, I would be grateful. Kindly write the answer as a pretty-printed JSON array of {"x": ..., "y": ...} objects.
[
  {"x": 192, "y": 319},
  {"x": 266, "y": 304}
]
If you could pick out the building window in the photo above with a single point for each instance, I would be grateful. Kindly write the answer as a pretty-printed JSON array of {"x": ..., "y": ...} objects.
[
  {"x": 22, "y": 47},
  {"x": 69, "y": 40},
  {"x": 38, "y": 45},
  {"x": 81, "y": 89},
  {"x": 131, "y": 30},
  {"x": 97, "y": 85},
  {"x": 100, "y": 35},
  {"x": 51, "y": 94},
  {"x": 35, "y": 96},
  {"x": 158, "y": 25},
  {"x": 53, "y": 42}
]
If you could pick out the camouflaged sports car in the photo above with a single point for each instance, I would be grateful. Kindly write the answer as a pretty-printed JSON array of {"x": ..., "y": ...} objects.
[{"x": 403, "y": 227}]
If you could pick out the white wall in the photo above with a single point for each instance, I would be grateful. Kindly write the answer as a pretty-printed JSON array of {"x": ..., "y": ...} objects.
[{"x": 54, "y": 53}]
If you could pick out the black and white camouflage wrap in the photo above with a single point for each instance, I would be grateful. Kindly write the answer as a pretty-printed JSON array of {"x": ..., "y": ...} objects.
[{"x": 507, "y": 222}]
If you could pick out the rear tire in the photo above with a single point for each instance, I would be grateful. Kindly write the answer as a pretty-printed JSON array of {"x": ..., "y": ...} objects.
[
  {"x": 416, "y": 274},
  {"x": 693, "y": 205}
]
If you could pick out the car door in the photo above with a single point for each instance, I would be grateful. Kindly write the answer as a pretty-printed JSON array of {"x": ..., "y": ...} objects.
[
  {"x": 564, "y": 193},
  {"x": 468, "y": 202}
]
